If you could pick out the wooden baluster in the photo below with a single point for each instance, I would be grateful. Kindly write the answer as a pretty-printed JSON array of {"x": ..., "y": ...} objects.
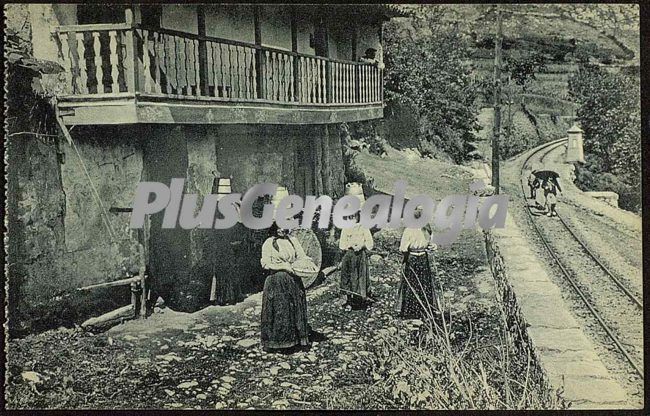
[
  {"x": 209, "y": 67},
  {"x": 289, "y": 78},
  {"x": 314, "y": 79},
  {"x": 215, "y": 71},
  {"x": 155, "y": 50},
  {"x": 68, "y": 60},
  {"x": 285, "y": 80},
  {"x": 99, "y": 71},
  {"x": 317, "y": 79},
  {"x": 250, "y": 73},
  {"x": 230, "y": 78},
  {"x": 188, "y": 65},
  {"x": 240, "y": 72},
  {"x": 268, "y": 68},
  {"x": 380, "y": 84},
  {"x": 160, "y": 62},
  {"x": 222, "y": 83},
  {"x": 115, "y": 72},
  {"x": 344, "y": 78},
  {"x": 366, "y": 77},
  {"x": 253, "y": 74},
  {"x": 348, "y": 82},
  {"x": 323, "y": 81},
  {"x": 189, "y": 44},
  {"x": 179, "y": 59},
  {"x": 173, "y": 56},
  {"x": 337, "y": 81},
  {"x": 146, "y": 64},
  {"x": 281, "y": 82},
  {"x": 83, "y": 71},
  {"x": 197, "y": 68}
]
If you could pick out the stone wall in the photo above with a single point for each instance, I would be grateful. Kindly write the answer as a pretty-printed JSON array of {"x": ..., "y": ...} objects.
[{"x": 516, "y": 322}]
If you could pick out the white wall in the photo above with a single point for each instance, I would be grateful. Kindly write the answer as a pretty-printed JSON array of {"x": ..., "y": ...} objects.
[
  {"x": 180, "y": 17},
  {"x": 233, "y": 22},
  {"x": 275, "y": 24}
]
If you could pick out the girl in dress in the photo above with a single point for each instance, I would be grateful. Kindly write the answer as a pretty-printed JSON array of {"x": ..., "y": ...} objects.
[
  {"x": 355, "y": 277},
  {"x": 416, "y": 296}
]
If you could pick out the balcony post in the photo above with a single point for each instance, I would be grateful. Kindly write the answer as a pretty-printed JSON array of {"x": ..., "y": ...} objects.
[
  {"x": 295, "y": 59},
  {"x": 355, "y": 58},
  {"x": 260, "y": 67},
  {"x": 131, "y": 59},
  {"x": 203, "y": 51}
]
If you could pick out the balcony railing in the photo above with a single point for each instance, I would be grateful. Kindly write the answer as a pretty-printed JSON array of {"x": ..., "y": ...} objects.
[{"x": 121, "y": 58}]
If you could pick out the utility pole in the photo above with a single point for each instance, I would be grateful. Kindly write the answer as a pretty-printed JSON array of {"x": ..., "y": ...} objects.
[{"x": 496, "y": 134}]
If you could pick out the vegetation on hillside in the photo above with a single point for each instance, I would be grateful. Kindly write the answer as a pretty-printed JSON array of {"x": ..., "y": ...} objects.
[
  {"x": 610, "y": 115},
  {"x": 426, "y": 73}
]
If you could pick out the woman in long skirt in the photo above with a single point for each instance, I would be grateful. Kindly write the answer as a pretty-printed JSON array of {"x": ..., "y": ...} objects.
[
  {"x": 355, "y": 277},
  {"x": 284, "y": 302},
  {"x": 416, "y": 297}
]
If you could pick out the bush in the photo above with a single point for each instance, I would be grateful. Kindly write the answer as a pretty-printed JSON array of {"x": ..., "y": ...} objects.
[
  {"x": 426, "y": 71},
  {"x": 610, "y": 115}
]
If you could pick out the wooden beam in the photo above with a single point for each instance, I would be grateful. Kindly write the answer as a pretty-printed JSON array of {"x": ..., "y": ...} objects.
[
  {"x": 121, "y": 282},
  {"x": 294, "y": 48},
  {"x": 203, "y": 51},
  {"x": 260, "y": 68}
]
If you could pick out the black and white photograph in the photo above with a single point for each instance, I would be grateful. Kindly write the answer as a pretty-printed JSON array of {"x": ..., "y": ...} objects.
[{"x": 346, "y": 206}]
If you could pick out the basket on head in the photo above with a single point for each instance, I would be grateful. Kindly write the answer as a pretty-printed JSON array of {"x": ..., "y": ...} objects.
[{"x": 356, "y": 189}]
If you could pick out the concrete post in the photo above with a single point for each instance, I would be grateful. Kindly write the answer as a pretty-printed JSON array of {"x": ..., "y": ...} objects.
[{"x": 574, "y": 151}]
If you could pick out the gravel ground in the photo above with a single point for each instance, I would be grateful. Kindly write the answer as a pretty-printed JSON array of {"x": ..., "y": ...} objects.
[{"x": 212, "y": 358}]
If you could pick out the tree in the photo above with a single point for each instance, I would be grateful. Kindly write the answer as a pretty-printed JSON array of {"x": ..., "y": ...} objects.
[
  {"x": 426, "y": 70},
  {"x": 610, "y": 115}
]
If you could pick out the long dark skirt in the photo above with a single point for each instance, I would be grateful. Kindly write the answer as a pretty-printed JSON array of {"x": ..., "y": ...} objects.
[
  {"x": 284, "y": 312},
  {"x": 354, "y": 273},
  {"x": 228, "y": 265},
  {"x": 417, "y": 293}
]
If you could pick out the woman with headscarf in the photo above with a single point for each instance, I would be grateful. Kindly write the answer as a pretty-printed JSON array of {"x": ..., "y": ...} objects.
[
  {"x": 355, "y": 277},
  {"x": 416, "y": 295},
  {"x": 284, "y": 302}
]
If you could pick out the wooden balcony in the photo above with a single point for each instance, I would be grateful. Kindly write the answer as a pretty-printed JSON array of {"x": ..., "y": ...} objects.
[{"x": 122, "y": 74}]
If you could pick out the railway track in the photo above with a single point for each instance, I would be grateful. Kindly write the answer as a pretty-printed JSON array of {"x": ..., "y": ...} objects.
[{"x": 577, "y": 286}]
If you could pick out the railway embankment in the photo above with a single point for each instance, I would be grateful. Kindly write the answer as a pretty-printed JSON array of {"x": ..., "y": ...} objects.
[{"x": 568, "y": 353}]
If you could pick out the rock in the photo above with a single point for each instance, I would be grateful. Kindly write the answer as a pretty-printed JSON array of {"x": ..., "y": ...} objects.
[
  {"x": 226, "y": 386},
  {"x": 219, "y": 405},
  {"x": 228, "y": 379},
  {"x": 248, "y": 342},
  {"x": 169, "y": 392},
  {"x": 187, "y": 384},
  {"x": 274, "y": 370},
  {"x": 284, "y": 365},
  {"x": 375, "y": 258},
  {"x": 267, "y": 381},
  {"x": 285, "y": 384},
  {"x": 280, "y": 403},
  {"x": 227, "y": 338},
  {"x": 169, "y": 357},
  {"x": 32, "y": 377},
  {"x": 201, "y": 396}
]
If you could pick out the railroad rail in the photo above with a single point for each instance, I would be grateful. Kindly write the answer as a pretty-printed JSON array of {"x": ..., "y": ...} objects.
[{"x": 567, "y": 274}]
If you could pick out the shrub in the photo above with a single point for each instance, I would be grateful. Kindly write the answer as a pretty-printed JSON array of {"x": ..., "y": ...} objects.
[
  {"x": 610, "y": 115},
  {"x": 426, "y": 71}
]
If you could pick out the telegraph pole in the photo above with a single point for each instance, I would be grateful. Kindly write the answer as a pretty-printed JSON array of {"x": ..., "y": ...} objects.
[{"x": 496, "y": 134}]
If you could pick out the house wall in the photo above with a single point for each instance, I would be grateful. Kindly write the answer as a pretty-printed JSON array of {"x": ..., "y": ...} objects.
[
  {"x": 368, "y": 37},
  {"x": 234, "y": 22},
  {"x": 181, "y": 17}
]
